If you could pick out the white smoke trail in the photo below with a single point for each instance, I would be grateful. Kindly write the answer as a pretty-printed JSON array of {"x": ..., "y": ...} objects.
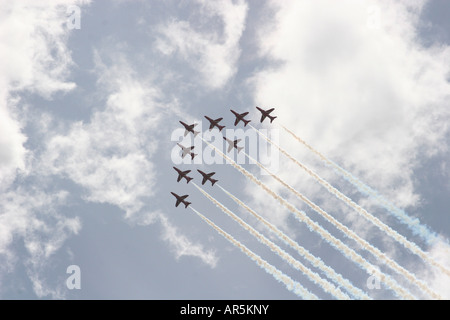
[
  {"x": 316, "y": 262},
  {"x": 389, "y": 231},
  {"x": 290, "y": 284},
  {"x": 313, "y": 226},
  {"x": 413, "y": 223},
  {"x": 352, "y": 235},
  {"x": 314, "y": 277}
]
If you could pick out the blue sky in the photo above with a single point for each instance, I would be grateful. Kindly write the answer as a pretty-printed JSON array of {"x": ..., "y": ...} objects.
[{"x": 88, "y": 116}]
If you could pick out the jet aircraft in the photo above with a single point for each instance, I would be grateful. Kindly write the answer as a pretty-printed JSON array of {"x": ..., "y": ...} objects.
[
  {"x": 183, "y": 174},
  {"x": 189, "y": 128},
  {"x": 265, "y": 113},
  {"x": 181, "y": 199},
  {"x": 214, "y": 123},
  {"x": 233, "y": 144},
  {"x": 187, "y": 151},
  {"x": 207, "y": 176},
  {"x": 240, "y": 117}
]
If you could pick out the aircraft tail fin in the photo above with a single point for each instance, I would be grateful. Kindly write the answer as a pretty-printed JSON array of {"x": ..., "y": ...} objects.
[
  {"x": 271, "y": 118},
  {"x": 196, "y": 133},
  {"x": 239, "y": 149},
  {"x": 221, "y": 128},
  {"x": 188, "y": 179},
  {"x": 246, "y": 122},
  {"x": 213, "y": 181},
  {"x": 193, "y": 156},
  {"x": 186, "y": 204}
]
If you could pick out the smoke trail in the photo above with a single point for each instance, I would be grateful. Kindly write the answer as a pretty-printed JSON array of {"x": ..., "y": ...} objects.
[
  {"x": 413, "y": 223},
  {"x": 383, "y": 227},
  {"x": 352, "y": 235},
  {"x": 313, "y": 226},
  {"x": 316, "y": 262},
  {"x": 314, "y": 277},
  {"x": 290, "y": 284}
]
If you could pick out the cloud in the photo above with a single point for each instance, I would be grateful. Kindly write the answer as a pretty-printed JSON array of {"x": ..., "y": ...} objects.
[
  {"x": 34, "y": 58},
  {"x": 12, "y": 150},
  {"x": 182, "y": 246},
  {"x": 212, "y": 53},
  {"x": 32, "y": 215},
  {"x": 439, "y": 281},
  {"x": 111, "y": 155},
  {"x": 355, "y": 82}
]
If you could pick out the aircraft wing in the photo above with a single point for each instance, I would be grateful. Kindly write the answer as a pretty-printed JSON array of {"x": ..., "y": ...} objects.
[
  {"x": 178, "y": 203},
  {"x": 179, "y": 177},
  {"x": 204, "y": 180},
  {"x": 230, "y": 146},
  {"x": 244, "y": 114},
  {"x": 210, "y": 174},
  {"x": 217, "y": 120},
  {"x": 270, "y": 110},
  {"x": 236, "y": 121},
  {"x": 184, "y": 197}
]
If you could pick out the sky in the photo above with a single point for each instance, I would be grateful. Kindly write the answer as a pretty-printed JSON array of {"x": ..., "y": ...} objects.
[{"x": 91, "y": 95}]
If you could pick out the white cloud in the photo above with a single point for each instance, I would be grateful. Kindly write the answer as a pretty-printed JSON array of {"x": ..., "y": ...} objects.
[
  {"x": 32, "y": 215},
  {"x": 33, "y": 51},
  {"x": 106, "y": 155},
  {"x": 370, "y": 97},
  {"x": 440, "y": 282},
  {"x": 353, "y": 80},
  {"x": 213, "y": 53},
  {"x": 182, "y": 246},
  {"x": 111, "y": 155},
  {"x": 179, "y": 243},
  {"x": 34, "y": 58},
  {"x": 12, "y": 150}
]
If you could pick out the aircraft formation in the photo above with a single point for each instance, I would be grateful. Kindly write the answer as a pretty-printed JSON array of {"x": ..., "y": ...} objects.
[
  {"x": 213, "y": 123},
  {"x": 330, "y": 281}
]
